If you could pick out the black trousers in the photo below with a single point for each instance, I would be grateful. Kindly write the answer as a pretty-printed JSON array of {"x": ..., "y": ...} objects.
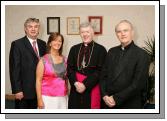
[{"x": 26, "y": 104}]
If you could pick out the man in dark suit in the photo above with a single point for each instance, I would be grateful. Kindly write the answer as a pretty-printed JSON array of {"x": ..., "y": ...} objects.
[
  {"x": 125, "y": 72},
  {"x": 24, "y": 55}
]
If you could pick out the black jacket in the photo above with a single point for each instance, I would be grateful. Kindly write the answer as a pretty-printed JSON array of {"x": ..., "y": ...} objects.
[
  {"x": 22, "y": 66},
  {"x": 126, "y": 79}
]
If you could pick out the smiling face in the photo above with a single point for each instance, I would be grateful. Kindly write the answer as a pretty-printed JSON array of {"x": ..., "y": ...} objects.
[
  {"x": 86, "y": 34},
  {"x": 56, "y": 43},
  {"x": 124, "y": 32},
  {"x": 32, "y": 29}
]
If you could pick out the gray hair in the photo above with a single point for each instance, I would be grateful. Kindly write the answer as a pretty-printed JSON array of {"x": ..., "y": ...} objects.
[
  {"x": 85, "y": 24},
  {"x": 124, "y": 21},
  {"x": 31, "y": 20}
]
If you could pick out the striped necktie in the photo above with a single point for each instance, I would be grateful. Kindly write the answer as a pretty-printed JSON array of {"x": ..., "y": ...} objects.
[{"x": 35, "y": 49}]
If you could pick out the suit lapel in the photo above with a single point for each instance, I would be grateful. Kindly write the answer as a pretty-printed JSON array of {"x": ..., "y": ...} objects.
[{"x": 29, "y": 46}]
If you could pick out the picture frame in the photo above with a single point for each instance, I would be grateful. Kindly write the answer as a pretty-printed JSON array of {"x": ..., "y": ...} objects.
[
  {"x": 53, "y": 24},
  {"x": 73, "y": 24},
  {"x": 96, "y": 22}
]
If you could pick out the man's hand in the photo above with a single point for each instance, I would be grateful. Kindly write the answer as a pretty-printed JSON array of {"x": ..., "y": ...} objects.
[
  {"x": 80, "y": 87},
  {"x": 109, "y": 100},
  {"x": 19, "y": 95}
]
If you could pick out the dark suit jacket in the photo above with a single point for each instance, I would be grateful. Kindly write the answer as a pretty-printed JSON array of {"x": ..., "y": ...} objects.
[
  {"x": 22, "y": 66},
  {"x": 125, "y": 80}
]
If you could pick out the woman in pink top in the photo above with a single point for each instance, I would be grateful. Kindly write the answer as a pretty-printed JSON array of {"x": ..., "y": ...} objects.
[{"x": 51, "y": 84}]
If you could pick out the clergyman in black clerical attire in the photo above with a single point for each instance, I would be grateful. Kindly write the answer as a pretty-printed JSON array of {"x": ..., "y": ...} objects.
[
  {"x": 125, "y": 72},
  {"x": 85, "y": 61}
]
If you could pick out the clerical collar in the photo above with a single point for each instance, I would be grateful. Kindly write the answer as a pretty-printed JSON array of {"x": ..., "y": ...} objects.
[
  {"x": 127, "y": 47},
  {"x": 89, "y": 44}
]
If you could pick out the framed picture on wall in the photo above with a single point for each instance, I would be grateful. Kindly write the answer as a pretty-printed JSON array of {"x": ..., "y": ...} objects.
[
  {"x": 73, "y": 25},
  {"x": 96, "y": 22},
  {"x": 53, "y": 24}
]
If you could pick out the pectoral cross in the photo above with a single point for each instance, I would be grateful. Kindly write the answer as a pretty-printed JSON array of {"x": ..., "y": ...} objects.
[{"x": 83, "y": 62}]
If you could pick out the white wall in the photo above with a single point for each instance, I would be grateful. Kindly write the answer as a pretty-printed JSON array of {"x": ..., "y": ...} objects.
[{"x": 142, "y": 17}]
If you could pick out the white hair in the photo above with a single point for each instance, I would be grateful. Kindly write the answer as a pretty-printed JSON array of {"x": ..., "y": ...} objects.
[{"x": 124, "y": 21}]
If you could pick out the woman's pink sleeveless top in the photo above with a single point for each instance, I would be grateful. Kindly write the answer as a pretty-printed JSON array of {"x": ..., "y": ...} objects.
[{"x": 52, "y": 84}]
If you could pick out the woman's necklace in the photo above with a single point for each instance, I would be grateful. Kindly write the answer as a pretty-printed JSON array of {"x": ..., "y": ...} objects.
[{"x": 83, "y": 64}]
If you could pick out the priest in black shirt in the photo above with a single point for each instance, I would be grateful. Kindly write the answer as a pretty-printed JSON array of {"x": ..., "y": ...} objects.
[
  {"x": 125, "y": 72},
  {"x": 85, "y": 61}
]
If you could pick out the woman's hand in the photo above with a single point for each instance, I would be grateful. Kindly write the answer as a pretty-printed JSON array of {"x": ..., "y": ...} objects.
[{"x": 40, "y": 104}]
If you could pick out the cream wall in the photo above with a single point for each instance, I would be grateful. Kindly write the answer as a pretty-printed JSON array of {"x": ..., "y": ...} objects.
[{"x": 142, "y": 17}]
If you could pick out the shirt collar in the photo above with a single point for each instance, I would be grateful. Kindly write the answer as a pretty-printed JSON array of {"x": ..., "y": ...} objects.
[{"x": 31, "y": 40}]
